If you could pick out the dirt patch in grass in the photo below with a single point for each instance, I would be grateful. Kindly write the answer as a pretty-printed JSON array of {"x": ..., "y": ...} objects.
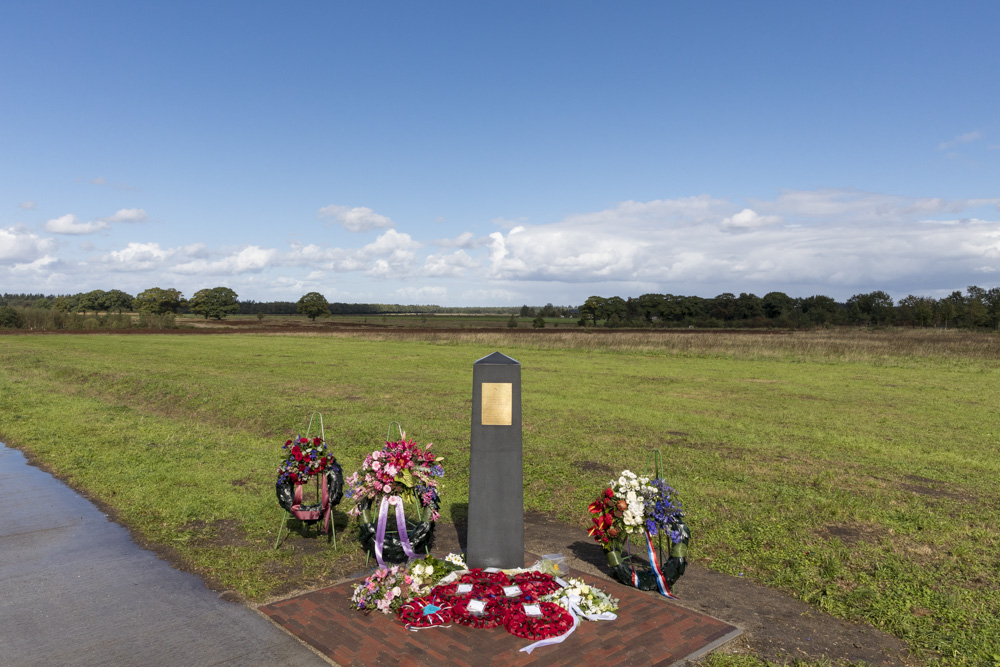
[
  {"x": 593, "y": 466},
  {"x": 924, "y": 486},
  {"x": 852, "y": 534},
  {"x": 219, "y": 533}
]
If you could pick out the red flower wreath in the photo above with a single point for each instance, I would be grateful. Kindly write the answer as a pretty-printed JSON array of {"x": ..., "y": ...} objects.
[
  {"x": 509, "y": 604},
  {"x": 493, "y": 614},
  {"x": 449, "y": 592},
  {"x": 553, "y": 622},
  {"x": 479, "y": 576},
  {"x": 412, "y": 613},
  {"x": 536, "y": 583}
]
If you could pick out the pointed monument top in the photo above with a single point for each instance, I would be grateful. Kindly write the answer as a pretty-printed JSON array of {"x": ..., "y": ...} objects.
[{"x": 498, "y": 359}]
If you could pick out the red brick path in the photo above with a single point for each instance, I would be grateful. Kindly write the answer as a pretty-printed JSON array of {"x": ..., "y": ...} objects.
[{"x": 650, "y": 630}]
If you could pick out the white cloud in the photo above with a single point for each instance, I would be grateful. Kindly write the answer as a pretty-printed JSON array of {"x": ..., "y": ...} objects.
[
  {"x": 20, "y": 246},
  {"x": 466, "y": 240},
  {"x": 749, "y": 219},
  {"x": 127, "y": 215},
  {"x": 566, "y": 252},
  {"x": 961, "y": 139},
  {"x": 453, "y": 265},
  {"x": 249, "y": 259},
  {"x": 41, "y": 266},
  {"x": 69, "y": 224},
  {"x": 27, "y": 205},
  {"x": 392, "y": 242},
  {"x": 357, "y": 219},
  {"x": 829, "y": 238},
  {"x": 139, "y": 257},
  {"x": 848, "y": 205}
]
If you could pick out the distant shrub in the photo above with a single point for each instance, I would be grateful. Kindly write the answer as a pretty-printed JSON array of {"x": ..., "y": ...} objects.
[{"x": 10, "y": 318}]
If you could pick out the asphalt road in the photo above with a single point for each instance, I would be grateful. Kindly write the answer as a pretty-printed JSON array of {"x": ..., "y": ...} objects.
[{"x": 75, "y": 590}]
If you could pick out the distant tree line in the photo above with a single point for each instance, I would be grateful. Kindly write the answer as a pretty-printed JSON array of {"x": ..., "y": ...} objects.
[
  {"x": 158, "y": 307},
  {"x": 978, "y": 308}
]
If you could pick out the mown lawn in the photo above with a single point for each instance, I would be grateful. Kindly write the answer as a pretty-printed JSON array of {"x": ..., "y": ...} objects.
[{"x": 857, "y": 471}]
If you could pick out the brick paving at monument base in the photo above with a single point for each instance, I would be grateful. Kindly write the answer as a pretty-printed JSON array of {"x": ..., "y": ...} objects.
[{"x": 650, "y": 630}]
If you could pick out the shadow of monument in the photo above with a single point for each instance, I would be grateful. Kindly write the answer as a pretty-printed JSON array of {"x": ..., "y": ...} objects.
[
  {"x": 592, "y": 554},
  {"x": 452, "y": 536}
]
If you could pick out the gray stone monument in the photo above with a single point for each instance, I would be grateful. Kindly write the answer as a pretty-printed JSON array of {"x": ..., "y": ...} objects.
[{"x": 496, "y": 474}]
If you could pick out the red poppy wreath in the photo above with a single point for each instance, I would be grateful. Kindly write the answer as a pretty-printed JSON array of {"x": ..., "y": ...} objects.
[
  {"x": 536, "y": 583},
  {"x": 492, "y": 616},
  {"x": 553, "y": 622},
  {"x": 425, "y": 612},
  {"x": 480, "y": 576}
]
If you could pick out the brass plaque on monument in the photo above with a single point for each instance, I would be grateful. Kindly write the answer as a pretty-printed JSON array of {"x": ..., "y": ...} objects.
[{"x": 497, "y": 400}]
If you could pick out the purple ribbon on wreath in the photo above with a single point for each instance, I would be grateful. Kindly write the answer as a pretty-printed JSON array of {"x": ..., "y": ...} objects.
[{"x": 383, "y": 516}]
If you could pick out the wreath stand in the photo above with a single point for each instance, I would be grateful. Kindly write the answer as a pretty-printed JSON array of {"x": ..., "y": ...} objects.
[
  {"x": 644, "y": 577},
  {"x": 329, "y": 491},
  {"x": 420, "y": 533}
]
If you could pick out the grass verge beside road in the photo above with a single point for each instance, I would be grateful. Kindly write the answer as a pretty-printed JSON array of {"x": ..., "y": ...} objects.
[{"x": 857, "y": 471}]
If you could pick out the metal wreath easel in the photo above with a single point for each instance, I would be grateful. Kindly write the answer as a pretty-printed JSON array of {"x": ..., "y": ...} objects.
[{"x": 286, "y": 515}]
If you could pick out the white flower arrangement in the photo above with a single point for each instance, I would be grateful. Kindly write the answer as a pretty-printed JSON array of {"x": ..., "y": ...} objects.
[
  {"x": 458, "y": 560},
  {"x": 590, "y": 600},
  {"x": 427, "y": 573},
  {"x": 634, "y": 490}
]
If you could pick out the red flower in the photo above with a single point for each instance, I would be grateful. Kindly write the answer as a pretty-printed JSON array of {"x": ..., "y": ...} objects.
[
  {"x": 596, "y": 507},
  {"x": 608, "y": 493},
  {"x": 608, "y": 520}
]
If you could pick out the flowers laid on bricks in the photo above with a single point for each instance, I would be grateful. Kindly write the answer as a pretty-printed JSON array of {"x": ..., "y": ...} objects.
[
  {"x": 631, "y": 511},
  {"x": 426, "y": 572},
  {"x": 305, "y": 458},
  {"x": 528, "y": 603},
  {"x": 590, "y": 600},
  {"x": 385, "y": 591},
  {"x": 543, "y": 620}
]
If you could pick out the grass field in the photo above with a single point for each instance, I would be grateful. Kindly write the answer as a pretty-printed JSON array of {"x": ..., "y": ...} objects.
[{"x": 854, "y": 470}]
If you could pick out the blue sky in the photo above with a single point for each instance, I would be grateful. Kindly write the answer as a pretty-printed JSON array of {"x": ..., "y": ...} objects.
[{"x": 500, "y": 153}]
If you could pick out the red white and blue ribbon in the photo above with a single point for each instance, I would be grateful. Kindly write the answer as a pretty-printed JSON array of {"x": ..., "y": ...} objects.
[
  {"x": 661, "y": 582},
  {"x": 383, "y": 516},
  {"x": 654, "y": 564}
]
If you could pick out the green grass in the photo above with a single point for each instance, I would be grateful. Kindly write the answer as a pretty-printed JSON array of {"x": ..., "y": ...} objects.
[{"x": 853, "y": 470}]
